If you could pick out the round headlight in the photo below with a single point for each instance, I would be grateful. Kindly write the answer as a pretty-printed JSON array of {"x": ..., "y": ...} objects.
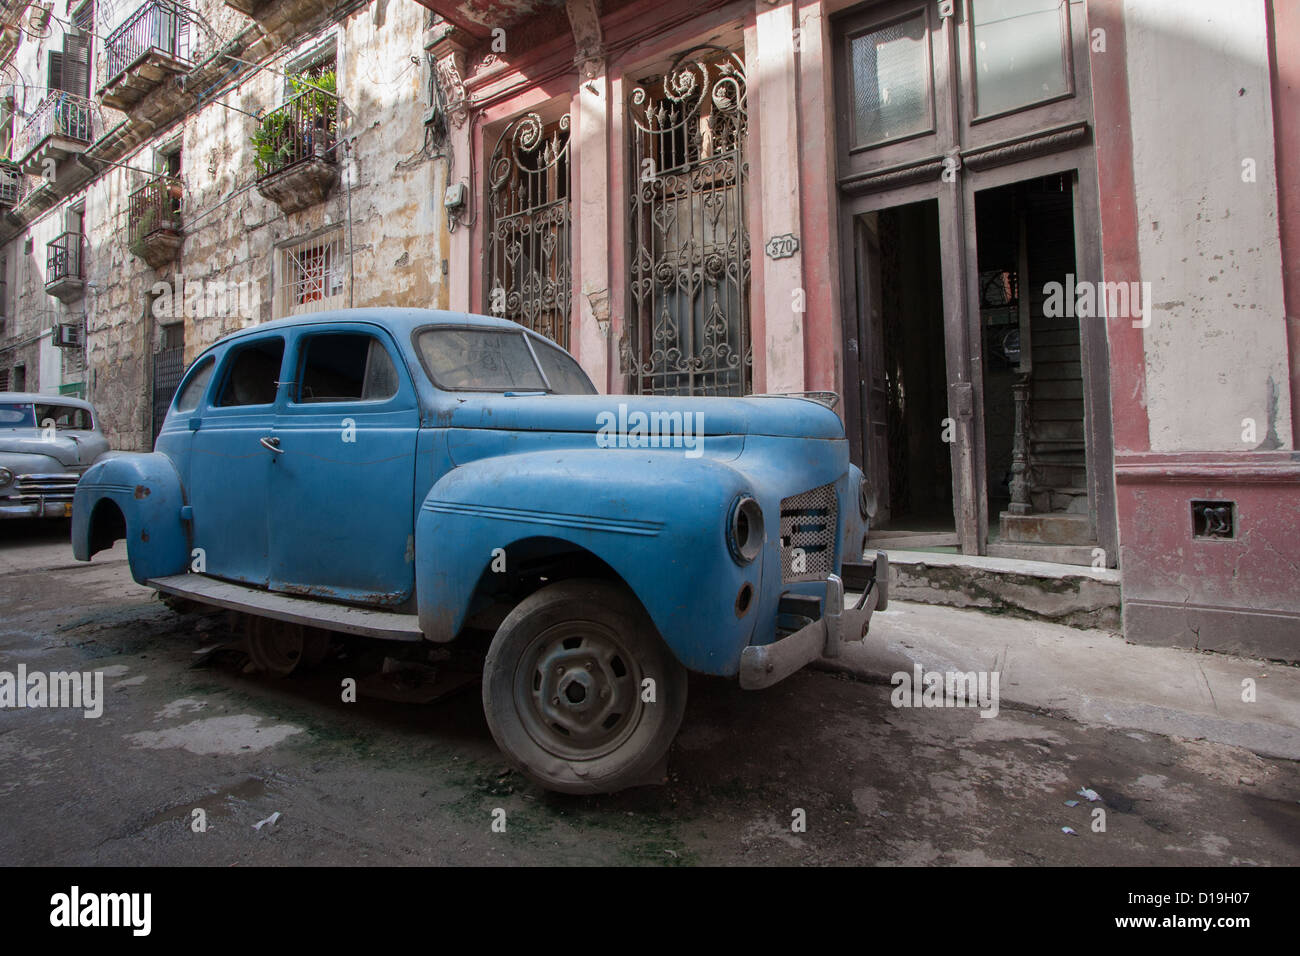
[
  {"x": 745, "y": 530},
  {"x": 6, "y": 476},
  {"x": 866, "y": 499}
]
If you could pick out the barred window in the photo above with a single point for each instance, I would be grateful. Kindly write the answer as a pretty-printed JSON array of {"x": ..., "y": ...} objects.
[{"x": 312, "y": 276}]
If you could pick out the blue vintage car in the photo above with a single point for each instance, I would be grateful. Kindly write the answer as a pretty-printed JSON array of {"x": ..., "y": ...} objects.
[{"x": 411, "y": 474}]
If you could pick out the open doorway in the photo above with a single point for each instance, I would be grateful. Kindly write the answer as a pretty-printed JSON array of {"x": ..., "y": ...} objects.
[
  {"x": 1033, "y": 388},
  {"x": 904, "y": 400}
]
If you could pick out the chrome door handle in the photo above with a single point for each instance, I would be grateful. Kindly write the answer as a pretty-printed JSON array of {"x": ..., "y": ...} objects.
[{"x": 271, "y": 444}]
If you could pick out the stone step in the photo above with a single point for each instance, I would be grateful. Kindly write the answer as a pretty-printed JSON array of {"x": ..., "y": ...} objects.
[
  {"x": 1083, "y": 554},
  {"x": 1036, "y": 590},
  {"x": 1056, "y": 528}
]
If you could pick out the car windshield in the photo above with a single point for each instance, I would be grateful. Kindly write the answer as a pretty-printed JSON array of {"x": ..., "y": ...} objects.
[
  {"x": 16, "y": 415},
  {"x": 63, "y": 416},
  {"x": 499, "y": 360}
]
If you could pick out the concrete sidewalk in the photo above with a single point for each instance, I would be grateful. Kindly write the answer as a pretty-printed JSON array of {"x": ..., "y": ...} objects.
[{"x": 1093, "y": 677}]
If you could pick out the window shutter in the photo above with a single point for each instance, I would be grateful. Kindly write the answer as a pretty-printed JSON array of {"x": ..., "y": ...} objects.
[
  {"x": 76, "y": 65},
  {"x": 54, "y": 76}
]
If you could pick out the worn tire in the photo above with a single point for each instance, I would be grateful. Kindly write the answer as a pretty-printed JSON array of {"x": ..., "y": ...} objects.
[{"x": 545, "y": 706}]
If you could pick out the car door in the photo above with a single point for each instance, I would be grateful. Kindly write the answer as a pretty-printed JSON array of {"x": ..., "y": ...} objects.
[
  {"x": 232, "y": 462},
  {"x": 342, "y": 521}
]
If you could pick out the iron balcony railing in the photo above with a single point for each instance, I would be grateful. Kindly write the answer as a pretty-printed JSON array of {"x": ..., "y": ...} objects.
[
  {"x": 158, "y": 25},
  {"x": 154, "y": 207},
  {"x": 60, "y": 114},
  {"x": 63, "y": 258},
  {"x": 11, "y": 183},
  {"x": 303, "y": 128}
]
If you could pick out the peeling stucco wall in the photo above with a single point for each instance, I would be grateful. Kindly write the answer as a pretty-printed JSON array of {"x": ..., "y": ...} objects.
[
  {"x": 392, "y": 224},
  {"x": 1216, "y": 351}
]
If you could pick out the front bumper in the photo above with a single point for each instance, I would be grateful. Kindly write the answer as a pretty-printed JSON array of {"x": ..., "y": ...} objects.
[
  {"x": 38, "y": 508},
  {"x": 764, "y": 665}
]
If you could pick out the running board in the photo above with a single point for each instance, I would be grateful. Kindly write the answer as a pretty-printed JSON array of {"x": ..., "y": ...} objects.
[{"x": 386, "y": 625}]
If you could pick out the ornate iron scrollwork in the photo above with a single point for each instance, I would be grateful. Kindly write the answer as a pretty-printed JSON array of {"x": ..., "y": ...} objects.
[
  {"x": 529, "y": 274},
  {"x": 688, "y": 331}
]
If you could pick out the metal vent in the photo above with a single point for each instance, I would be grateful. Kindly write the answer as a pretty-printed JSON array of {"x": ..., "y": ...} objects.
[
  {"x": 808, "y": 526},
  {"x": 1214, "y": 519}
]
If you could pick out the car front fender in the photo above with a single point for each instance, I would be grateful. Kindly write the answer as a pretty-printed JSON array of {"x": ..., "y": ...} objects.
[{"x": 656, "y": 518}]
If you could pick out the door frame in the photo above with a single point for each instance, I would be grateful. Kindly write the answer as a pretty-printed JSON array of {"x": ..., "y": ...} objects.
[
  {"x": 967, "y": 487},
  {"x": 1093, "y": 347},
  {"x": 1036, "y": 139}
]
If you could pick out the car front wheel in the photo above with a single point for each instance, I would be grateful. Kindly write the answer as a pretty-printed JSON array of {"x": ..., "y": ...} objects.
[{"x": 579, "y": 690}]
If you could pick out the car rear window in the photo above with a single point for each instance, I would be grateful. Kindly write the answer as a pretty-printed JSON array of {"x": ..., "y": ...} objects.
[
  {"x": 497, "y": 360},
  {"x": 192, "y": 393},
  {"x": 15, "y": 415}
]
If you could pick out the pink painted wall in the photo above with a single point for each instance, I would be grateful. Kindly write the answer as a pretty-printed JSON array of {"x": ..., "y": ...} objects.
[
  {"x": 1119, "y": 222},
  {"x": 1240, "y": 595},
  {"x": 1284, "y": 29}
]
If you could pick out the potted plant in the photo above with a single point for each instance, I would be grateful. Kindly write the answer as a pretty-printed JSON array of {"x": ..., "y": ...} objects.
[
  {"x": 141, "y": 230},
  {"x": 279, "y": 140}
]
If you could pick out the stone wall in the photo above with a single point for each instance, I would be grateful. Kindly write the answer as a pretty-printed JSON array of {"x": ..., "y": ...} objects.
[{"x": 387, "y": 206}]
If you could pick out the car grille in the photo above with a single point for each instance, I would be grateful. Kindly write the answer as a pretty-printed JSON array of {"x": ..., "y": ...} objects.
[
  {"x": 49, "y": 487},
  {"x": 808, "y": 525}
]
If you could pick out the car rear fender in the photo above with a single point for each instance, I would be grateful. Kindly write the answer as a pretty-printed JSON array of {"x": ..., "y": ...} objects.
[{"x": 146, "y": 491}]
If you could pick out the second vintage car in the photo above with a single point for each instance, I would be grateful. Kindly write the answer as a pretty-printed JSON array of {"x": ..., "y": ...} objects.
[
  {"x": 46, "y": 443},
  {"x": 413, "y": 475}
]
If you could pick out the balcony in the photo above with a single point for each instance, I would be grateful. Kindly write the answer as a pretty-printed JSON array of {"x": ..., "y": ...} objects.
[
  {"x": 154, "y": 221},
  {"x": 61, "y": 126},
  {"x": 301, "y": 15},
  {"x": 294, "y": 149},
  {"x": 65, "y": 275},
  {"x": 155, "y": 43},
  {"x": 250, "y": 8},
  {"x": 11, "y": 184}
]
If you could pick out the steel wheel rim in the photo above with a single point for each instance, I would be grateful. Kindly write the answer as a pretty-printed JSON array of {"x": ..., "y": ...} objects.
[{"x": 578, "y": 690}]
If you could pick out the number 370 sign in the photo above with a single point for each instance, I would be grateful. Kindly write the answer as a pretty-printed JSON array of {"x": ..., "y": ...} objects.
[{"x": 782, "y": 247}]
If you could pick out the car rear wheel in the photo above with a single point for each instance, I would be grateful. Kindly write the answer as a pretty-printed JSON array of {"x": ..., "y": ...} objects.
[
  {"x": 579, "y": 690},
  {"x": 280, "y": 647}
]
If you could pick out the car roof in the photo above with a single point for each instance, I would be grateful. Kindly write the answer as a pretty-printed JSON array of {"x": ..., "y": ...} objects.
[
  {"x": 399, "y": 321},
  {"x": 24, "y": 397}
]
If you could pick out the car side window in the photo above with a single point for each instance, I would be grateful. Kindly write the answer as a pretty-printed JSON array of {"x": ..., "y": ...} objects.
[
  {"x": 189, "y": 396},
  {"x": 254, "y": 372},
  {"x": 345, "y": 367}
]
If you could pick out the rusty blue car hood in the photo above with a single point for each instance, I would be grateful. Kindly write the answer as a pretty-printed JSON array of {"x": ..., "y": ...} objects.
[{"x": 771, "y": 416}]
